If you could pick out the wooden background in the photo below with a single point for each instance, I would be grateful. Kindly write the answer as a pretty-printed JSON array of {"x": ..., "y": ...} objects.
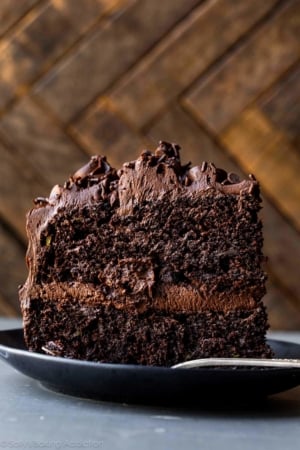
[{"x": 220, "y": 77}]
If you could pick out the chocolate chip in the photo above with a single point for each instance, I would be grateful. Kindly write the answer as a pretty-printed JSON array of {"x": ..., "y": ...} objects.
[
  {"x": 252, "y": 188},
  {"x": 233, "y": 178},
  {"x": 221, "y": 175},
  {"x": 152, "y": 161},
  {"x": 55, "y": 192},
  {"x": 41, "y": 201},
  {"x": 161, "y": 168},
  {"x": 171, "y": 150},
  {"x": 106, "y": 166},
  {"x": 68, "y": 184},
  {"x": 162, "y": 158},
  {"x": 146, "y": 153},
  {"x": 159, "y": 152},
  {"x": 96, "y": 167},
  {"x": 176, "y": 149},
  {"x": 129, "y": 165},
  {"x": 163, "y": 143},
  {"x": 203, "y": 166},
  {"x": 85, "y": 170},
  {"x": 187, "y": 181}
]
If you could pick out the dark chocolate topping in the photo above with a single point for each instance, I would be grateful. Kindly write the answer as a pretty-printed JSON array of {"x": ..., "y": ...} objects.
[{"x": 152, "y": 176}]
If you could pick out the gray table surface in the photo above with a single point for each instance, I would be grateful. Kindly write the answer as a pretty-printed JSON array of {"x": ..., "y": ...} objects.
[{"x": 33, "y": 417}]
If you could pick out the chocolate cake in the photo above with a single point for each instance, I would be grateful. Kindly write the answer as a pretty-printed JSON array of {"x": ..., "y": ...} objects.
[{"x": 155, "y": 264}]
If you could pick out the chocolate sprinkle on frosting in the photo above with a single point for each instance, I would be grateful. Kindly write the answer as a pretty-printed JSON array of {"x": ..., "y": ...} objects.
[{"x": 162, "y": 169}]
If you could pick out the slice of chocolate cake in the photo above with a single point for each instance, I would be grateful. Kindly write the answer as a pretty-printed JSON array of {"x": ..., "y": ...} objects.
[{"x": 155, "y": 264}]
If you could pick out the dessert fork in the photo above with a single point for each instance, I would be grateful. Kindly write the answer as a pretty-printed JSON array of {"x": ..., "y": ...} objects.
[{"x": 238, "y": 362}]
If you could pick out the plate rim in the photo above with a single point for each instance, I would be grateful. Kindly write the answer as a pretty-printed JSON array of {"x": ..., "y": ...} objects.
[{"x": 153, "y": 385}]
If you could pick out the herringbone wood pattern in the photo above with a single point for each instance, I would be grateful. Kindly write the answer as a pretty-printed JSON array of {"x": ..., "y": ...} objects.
[{"x": 220, "y": 77}]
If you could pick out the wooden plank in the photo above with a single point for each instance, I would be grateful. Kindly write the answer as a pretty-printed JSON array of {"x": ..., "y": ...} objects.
[
  {"x": 282, "y": 104},
  {"x": 197, "y": 145},
  {"x": 184, "y": 55},
  {"x": 110, "y": 51},
  {"x": 102, "y": 131},
  {"x": 12, "y": 10},
  {"x": 26, "y": 55},
  {"x": 282, "y": 243},
  {"x": 17, "y": 69},
  {"x": 13, "y": 270},
  {"x": 40, "y": 141},
  {"x": 221, "y": 96},
  {"x": 59, "y": 34},
  {"x": 83, "y": 14},
  {"x": 19, "y": 184},
  {"x": 6, "y": 310},
  {"x": 263, "y": 150},
  {"x": 282, "y": 247},
  {"x": 283, "y": 313}
]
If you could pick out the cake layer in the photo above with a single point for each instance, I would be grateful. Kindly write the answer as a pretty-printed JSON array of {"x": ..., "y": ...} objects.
[{"x": 106, "y": 334}]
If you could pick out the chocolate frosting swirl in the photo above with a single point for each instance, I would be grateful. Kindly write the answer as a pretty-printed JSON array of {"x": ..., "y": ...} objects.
[{"x": 151, "y": 176}]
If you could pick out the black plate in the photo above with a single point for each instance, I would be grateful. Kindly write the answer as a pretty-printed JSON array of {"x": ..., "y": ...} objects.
[{"x": 150, "y": 385}]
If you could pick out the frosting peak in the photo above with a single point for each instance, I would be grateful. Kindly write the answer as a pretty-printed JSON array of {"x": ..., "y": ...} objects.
[{"x": 151, "y": 176}]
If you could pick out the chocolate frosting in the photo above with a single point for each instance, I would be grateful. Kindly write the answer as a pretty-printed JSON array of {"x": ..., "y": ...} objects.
[{"x": 152, "y": 176}]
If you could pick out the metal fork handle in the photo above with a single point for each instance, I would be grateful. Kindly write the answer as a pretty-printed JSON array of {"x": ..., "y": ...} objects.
[{"x": 241, "y": 362}]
